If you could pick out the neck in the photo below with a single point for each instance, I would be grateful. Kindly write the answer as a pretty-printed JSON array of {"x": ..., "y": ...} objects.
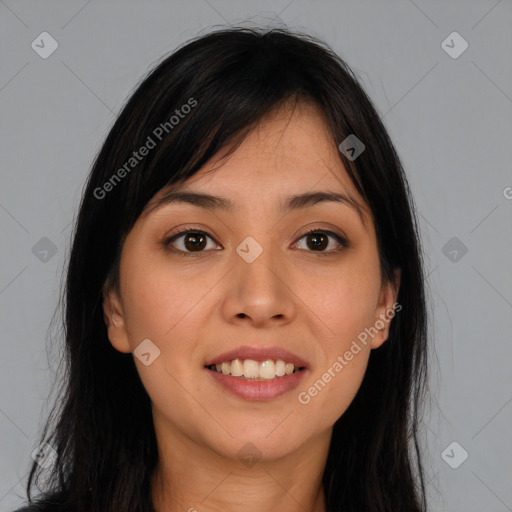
[{"x": 192, "y": 478}]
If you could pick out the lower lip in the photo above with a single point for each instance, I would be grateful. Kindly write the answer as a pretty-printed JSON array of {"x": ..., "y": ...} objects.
[{"x": 258, "y": 390}]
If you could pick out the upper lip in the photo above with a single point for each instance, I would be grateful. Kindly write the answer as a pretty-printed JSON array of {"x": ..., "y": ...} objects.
[{"x": 258, "y": 354}]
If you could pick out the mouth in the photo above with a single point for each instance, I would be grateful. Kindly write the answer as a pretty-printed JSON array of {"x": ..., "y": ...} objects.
[
  {"x": 256, "y": 381},
  {"x": 250, "y": 369},
  {"x": 257, "y": 363}
]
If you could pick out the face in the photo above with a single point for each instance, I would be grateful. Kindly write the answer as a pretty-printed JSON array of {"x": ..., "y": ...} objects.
[{"x": 252, "y": 276}]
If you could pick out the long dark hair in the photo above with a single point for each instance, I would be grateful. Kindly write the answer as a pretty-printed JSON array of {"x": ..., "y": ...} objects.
[{"x": 204, "y": 97}]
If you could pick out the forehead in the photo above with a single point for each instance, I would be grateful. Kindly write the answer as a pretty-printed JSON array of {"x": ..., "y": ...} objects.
[{"x": 282, "y": 163}]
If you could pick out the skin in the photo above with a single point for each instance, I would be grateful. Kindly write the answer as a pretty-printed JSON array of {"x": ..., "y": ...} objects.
[{"x": 291, "y": 296}]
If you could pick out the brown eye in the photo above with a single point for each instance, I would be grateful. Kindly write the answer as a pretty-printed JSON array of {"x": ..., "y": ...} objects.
[
  {"x": 188, "y": 242},
  {"x": 192, "y": 241},
  {"x": 317, "y": 240}
]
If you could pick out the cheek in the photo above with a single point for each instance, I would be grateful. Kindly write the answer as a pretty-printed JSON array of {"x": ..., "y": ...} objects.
[
  {"x": 345, "y": 301},
  {"x": 330, "y": 391},
  {"x": 173, "y": 399},
  {"x": 339, "y": 373},
  {"x": 346, "y": 305},
  {"x": 164, "y": 307},
  {"x": 159, "y": 303}
]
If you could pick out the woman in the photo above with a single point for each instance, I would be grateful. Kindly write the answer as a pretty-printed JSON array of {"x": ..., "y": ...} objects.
[{"x": 245, "y": 314}]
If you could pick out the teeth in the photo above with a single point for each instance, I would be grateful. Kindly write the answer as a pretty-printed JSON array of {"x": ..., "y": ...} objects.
[
  {"x": 253, "y": 370},
  {"x": 237, "y": 368},
  {"x": 267, "y": 370}
]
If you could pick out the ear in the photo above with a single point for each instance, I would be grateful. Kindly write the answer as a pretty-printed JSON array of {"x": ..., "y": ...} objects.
[
  {"x": 115, "y": 322},
  {"x": 386, "y": 309}
]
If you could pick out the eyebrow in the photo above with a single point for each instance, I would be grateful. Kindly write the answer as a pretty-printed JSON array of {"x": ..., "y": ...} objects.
[{"x": 295, "y": 202}]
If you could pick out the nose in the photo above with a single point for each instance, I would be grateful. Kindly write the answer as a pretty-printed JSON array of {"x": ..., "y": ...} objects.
[{"x": 259, "y": 293}]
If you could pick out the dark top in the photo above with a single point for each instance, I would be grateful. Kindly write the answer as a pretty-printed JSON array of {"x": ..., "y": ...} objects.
[
  {"x": 31, "y": 508},
  {"x": 49, "y": 503},
  {"x": 44, "y": 507},
  {"x": 35, "y": 508}
]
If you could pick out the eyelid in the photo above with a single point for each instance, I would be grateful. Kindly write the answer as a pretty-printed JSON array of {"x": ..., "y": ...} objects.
[{"x": 185, "y": 228}]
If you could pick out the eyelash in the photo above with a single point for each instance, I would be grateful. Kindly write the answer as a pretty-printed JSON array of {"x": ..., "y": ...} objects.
[{"x": 168, "y": 241}]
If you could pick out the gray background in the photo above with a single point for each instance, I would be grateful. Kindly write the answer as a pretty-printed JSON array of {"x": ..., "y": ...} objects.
[{"x": 449, "y": 118}]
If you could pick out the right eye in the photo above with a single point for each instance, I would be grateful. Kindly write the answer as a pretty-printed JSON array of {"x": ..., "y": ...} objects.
[{"x": 189, "y": 242}]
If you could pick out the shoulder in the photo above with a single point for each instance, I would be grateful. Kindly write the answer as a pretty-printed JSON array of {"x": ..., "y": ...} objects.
[
  {"x": 52, "y": 502},
  {"x": 35, "y": 508},
  {"x": 40, "y": 507}
]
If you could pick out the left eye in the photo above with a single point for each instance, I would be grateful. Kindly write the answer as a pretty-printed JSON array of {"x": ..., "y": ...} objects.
[
  {"x": 319, "y": 238},
  {"x": 195, "y": 241}
]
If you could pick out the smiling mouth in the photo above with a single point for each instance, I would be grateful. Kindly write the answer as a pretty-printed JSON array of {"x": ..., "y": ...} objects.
[{"x": 250, "y": 369}]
